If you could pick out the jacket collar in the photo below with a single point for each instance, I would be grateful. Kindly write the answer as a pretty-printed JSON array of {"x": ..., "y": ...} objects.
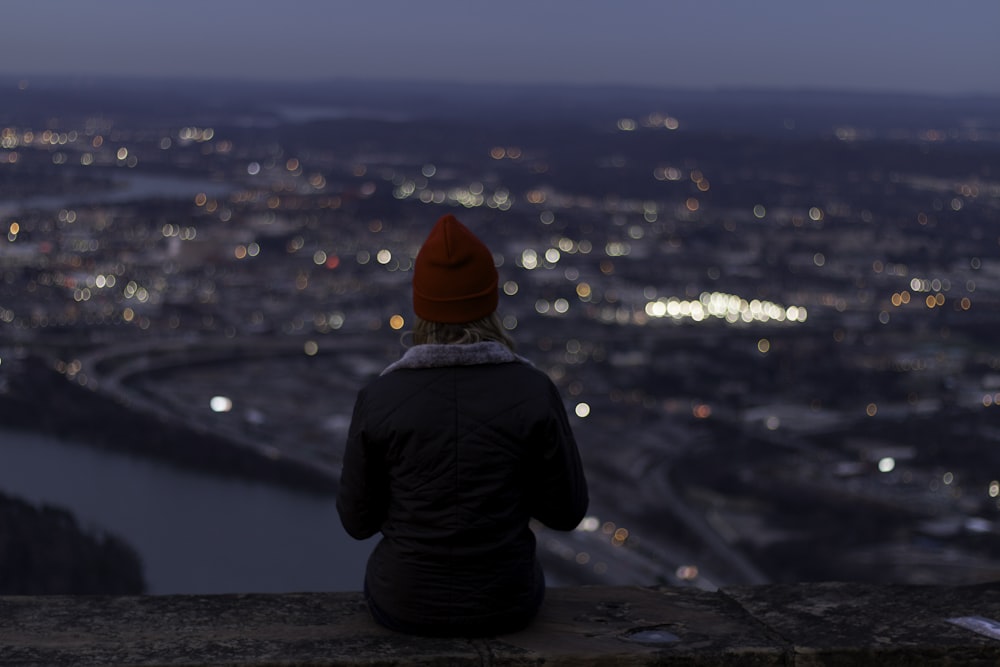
[{"x": 435, "y": 355}]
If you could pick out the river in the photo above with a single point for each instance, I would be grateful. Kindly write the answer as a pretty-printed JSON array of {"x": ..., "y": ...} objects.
[
  {"x": 130, "y": 186},
  {"x": 195, "y": 533}
]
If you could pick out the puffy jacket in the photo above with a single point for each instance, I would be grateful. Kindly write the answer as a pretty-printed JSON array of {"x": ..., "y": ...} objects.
[{"x": 450, "y": 453}]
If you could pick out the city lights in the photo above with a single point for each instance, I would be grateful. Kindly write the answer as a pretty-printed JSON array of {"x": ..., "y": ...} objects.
[
  {"x": 221, "y": 404},
  {"x": 729, "y": 307},
  {"x": 729, "y": 326}
]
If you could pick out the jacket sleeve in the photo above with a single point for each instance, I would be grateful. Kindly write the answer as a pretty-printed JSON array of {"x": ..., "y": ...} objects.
[
  {"x": 363, "y": 495},
  {"x": 560, "y": 495}
]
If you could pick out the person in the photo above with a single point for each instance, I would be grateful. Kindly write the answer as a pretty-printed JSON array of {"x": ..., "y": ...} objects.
[{"x": 451, "y": 452}]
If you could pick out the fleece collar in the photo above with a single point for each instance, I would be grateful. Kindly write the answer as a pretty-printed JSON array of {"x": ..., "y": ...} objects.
[{"x": 434, "y": 355}]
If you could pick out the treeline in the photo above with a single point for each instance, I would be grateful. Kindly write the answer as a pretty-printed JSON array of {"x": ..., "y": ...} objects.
[{"x": 44, "y": 551}]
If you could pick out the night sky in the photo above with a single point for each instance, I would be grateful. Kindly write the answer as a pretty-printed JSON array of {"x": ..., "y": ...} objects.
[{"x": 870, "y": 45}]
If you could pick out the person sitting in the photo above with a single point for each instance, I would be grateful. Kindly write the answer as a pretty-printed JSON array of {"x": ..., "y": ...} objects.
[{"x": 451, "y": 452}]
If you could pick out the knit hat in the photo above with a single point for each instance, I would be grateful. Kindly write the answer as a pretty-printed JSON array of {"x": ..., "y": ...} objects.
[{"x": 454, "y": 279}]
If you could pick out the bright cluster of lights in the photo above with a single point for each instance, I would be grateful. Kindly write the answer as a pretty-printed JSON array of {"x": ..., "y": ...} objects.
[
  {"x": 934, "y": 298},
  {"x": 195, "y": 134},
  {"x": 729, "y": 307},
  {"x": 136, "y": 291},
  {"x": 184, "y": 233},
  {"x": 667, "y": 174},
  {"x": 242, "y": 251},
  {"x": 900, "y": 298},
  {"x": 930, "y": 285},
  {"x": 617, "y": 249},
  {"x": 559, "y": 306},
  {"x": 934, "y": 288},
  {"x": 324, "y": 323},
  {"x": 10, "y": 138},
  {"x": 99, "y": 282},
  {"x": 471, "y": 196},
  {"x": 46, "y": 138},
  {"x": 531, "y": 259}
]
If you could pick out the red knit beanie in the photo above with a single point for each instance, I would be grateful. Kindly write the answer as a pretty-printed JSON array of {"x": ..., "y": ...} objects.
[{"x": 454, "y": 279}]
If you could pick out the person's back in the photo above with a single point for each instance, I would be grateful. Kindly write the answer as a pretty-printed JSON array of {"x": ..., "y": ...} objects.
[{"x": 451, "y": 452}]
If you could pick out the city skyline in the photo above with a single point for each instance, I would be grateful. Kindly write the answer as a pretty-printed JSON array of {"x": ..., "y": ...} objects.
[{"x": 887, "y": 47}]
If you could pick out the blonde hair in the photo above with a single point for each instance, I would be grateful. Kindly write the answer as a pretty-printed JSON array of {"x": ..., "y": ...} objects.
[{"x": 488, "y": 328}]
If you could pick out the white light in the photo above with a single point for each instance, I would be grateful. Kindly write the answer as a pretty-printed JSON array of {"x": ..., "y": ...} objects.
[
  {"x": 582, "y": 410},
  {"x": 221, "y": 404},
  {"x": 886, "y": 464}
]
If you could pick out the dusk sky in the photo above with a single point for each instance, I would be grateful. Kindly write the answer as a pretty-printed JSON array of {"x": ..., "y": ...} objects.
[{"x": 873, "y": 45}]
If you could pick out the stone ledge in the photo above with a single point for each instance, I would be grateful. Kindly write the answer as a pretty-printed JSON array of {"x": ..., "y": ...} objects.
[{"x": 800, "y": 624}]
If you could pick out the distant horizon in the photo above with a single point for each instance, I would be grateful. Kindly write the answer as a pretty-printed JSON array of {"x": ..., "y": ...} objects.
[{"x": 104, "y": 78}]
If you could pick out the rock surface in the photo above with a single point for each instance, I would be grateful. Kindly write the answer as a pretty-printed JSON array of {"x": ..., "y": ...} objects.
[{"x": 803, "y": 624}]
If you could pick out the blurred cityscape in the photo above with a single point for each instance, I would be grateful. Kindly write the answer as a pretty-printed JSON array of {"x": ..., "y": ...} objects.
[{"x": 773, "y": 316}]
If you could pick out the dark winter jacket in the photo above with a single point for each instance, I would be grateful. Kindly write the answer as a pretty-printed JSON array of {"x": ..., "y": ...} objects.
[{"x": 450, "y": 453}]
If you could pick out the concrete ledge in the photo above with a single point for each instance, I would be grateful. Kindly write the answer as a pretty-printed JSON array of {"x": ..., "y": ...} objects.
[{"x": 803, "y": 624}]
